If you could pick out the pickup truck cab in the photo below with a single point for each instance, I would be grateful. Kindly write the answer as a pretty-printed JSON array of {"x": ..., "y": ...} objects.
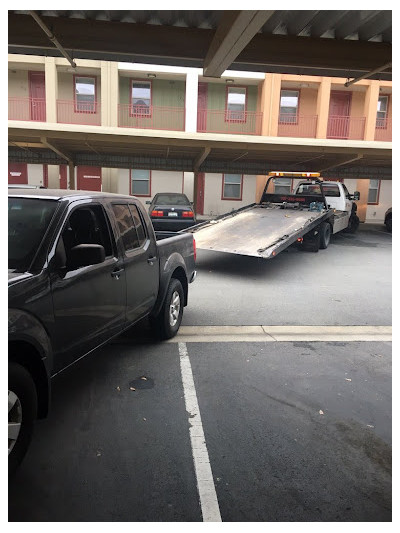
[{"x": 83, "y": 267}]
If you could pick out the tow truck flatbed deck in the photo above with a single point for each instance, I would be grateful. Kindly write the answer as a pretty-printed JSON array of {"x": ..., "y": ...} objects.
[{"x": 257, "y": 230}]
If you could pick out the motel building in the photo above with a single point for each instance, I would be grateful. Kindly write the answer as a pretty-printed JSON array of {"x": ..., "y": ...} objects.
[{"x": 48, "y": 98}]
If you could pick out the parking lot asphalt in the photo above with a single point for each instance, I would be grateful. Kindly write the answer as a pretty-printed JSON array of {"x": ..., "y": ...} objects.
[
  {"x": 349, "y": 283},
  {"x": 294, "y": 430}
]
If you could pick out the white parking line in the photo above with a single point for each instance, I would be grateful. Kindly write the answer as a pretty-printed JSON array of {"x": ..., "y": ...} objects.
[{"x": 205, "y": 483}]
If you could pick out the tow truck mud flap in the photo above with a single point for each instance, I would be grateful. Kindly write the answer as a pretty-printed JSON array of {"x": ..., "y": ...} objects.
[{"x": 311, "y": 241}]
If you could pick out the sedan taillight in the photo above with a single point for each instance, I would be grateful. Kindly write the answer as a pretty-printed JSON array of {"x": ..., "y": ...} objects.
[
  {"x": 157, "y": 213},
  {"x": 187, "y": 214}
]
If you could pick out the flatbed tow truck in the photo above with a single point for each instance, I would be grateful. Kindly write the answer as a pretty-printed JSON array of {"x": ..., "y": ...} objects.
[{"x": 316, "y": 210}]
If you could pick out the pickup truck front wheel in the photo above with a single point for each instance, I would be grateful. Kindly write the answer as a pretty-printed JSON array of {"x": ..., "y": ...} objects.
[
  {"x": 168, "y": 321},
  {"x": 22, "y": 412}
]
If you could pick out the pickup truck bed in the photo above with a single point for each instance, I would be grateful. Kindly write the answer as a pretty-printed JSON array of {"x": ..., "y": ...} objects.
[{"x": 257, "y": 230}]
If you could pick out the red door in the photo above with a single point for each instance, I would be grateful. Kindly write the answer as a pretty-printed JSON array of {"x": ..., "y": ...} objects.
[
  {"x": 89, "y": 178},
  {"x": 37, "y": 96},
  {"x": 339, "y": 115},
  {"x": 200, "y": 194},
  {"x": 202, "y": 107},
  {"x": 17, "y": 173},
  {"x": 63, "y": 177}
]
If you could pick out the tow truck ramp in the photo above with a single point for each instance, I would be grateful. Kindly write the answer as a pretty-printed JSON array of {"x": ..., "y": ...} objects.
[{"x": 257, "y": 230}]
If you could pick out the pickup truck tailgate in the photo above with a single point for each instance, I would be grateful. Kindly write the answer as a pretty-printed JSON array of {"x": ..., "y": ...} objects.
[{"x": 259, "y": 231}]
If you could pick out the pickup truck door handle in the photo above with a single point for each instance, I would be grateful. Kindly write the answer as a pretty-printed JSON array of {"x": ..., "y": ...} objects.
[
  {"x": 151, "y": 260},
  {"x": 116, "y": 273}
]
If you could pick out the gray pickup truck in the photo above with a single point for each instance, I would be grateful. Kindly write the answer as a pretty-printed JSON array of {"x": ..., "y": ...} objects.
[{"x": 83, "y": 267}]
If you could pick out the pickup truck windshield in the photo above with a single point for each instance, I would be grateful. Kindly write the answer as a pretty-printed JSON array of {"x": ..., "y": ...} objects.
[{"x": 28, "y": 220}]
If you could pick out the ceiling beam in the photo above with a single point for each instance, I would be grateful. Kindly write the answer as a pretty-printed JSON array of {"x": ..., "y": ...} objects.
[
  {"x": 339, "y": 163},
  {"x": 64, "y": 155},
  {"x": 201, "y": 158},
  {"x": 52, "y": 38},
  {"x": 235, "y": 31}
]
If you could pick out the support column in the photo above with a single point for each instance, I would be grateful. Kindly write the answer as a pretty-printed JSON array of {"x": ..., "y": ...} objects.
[
  {"x": 191, "y": 102},
  {"x": 51, "y": 88},
  {"x": 370, "y": 109},
  {"x": 275, "y": 104},
  {"x": 195, "y": 190},
  {"x": 362, "y": 204},
  {"x": 269, "y": 106},
  {"x": 109, "y": 94},
  {"x": 71, "y": 168},
  {"x": 324, "y": 95}
]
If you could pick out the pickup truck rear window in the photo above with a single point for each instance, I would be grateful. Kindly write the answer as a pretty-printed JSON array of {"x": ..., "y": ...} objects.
[
  {"x": 28, "y": 220},
  {"x": 126, "y": 226}
]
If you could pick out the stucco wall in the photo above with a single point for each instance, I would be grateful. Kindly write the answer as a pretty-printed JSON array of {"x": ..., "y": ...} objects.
[
  {"x": 18, "y": 85},
  {"x": 376, "y": 213},
  {"x": 161, "y": 181},
  {"x": 214, "y": 205}
]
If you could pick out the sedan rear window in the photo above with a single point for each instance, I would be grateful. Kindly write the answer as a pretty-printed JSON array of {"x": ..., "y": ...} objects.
[{"x": 171, "y": 199}]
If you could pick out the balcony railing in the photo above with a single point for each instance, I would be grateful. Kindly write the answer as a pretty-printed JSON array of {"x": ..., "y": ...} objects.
[
  {"x": 383, "y": 129},
  {"x": 242, "y": 122},
  {"x": 71, "y": 112},
  {"x": 27, "y": 109},
  {"x": 151, "y": 117},
  {"x": 297, "y": 125},
  {"x": 345, "y": 127}
]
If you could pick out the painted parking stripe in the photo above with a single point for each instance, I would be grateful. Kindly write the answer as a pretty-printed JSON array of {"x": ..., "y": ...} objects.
[
  {"x": 205, "y": 483},
  {"x": 283, "y": 333}
]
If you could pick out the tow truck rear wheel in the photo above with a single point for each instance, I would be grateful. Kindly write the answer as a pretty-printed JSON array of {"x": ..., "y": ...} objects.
[{"x": 325, "y": 235}]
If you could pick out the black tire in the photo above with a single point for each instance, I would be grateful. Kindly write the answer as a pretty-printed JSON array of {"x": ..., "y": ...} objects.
[
  {"x": 325, "y": 235},
  {"x": 166, "y": 324},
  {"x": 354, "y": 222},
  {"x": 388, "y": 223},
  {"x": 22, "y": 411}
]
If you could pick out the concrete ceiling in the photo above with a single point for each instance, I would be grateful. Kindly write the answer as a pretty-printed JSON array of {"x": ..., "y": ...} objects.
[{"x": 347, "y": 44}]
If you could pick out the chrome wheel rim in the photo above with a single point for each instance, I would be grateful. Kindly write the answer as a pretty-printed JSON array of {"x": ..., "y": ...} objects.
[
  {"x": 174, "y": 308},
  {"x": 14, "y": 419}
]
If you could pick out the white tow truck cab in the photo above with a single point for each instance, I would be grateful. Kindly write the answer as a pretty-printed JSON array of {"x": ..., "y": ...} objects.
[{"x": 338, "y": 198}]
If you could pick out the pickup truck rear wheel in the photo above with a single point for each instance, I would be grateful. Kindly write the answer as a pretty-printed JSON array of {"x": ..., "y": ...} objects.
[
  {"x": 168, "y": 321},
  {"x": 22, "y": 412},
  {"x": 325, "y": 235}
]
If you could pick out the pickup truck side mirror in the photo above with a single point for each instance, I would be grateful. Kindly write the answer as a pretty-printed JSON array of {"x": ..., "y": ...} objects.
[
  {"x": 356, "y": 195},
  {"x": 148, "y": 202},
  {"x": 85, "y": 255}
]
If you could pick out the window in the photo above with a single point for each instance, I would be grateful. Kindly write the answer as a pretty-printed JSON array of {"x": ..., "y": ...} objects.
[
  {"x": 140, "y": 182},
  {"x": 85, "y": 94},
  {"x": 381, "y": 114},
  {"x": 232, "y": 187},
  {"x": 141, "y": 98},
  {"x": 141, "y": 233},
  {"x": 373, "y": 191},
  {"x": 236, "y": 104},
  {"x": 289, "y": 107},
  {"x": 283, "y": 185},
  {"x": 126, "y": 226}
]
